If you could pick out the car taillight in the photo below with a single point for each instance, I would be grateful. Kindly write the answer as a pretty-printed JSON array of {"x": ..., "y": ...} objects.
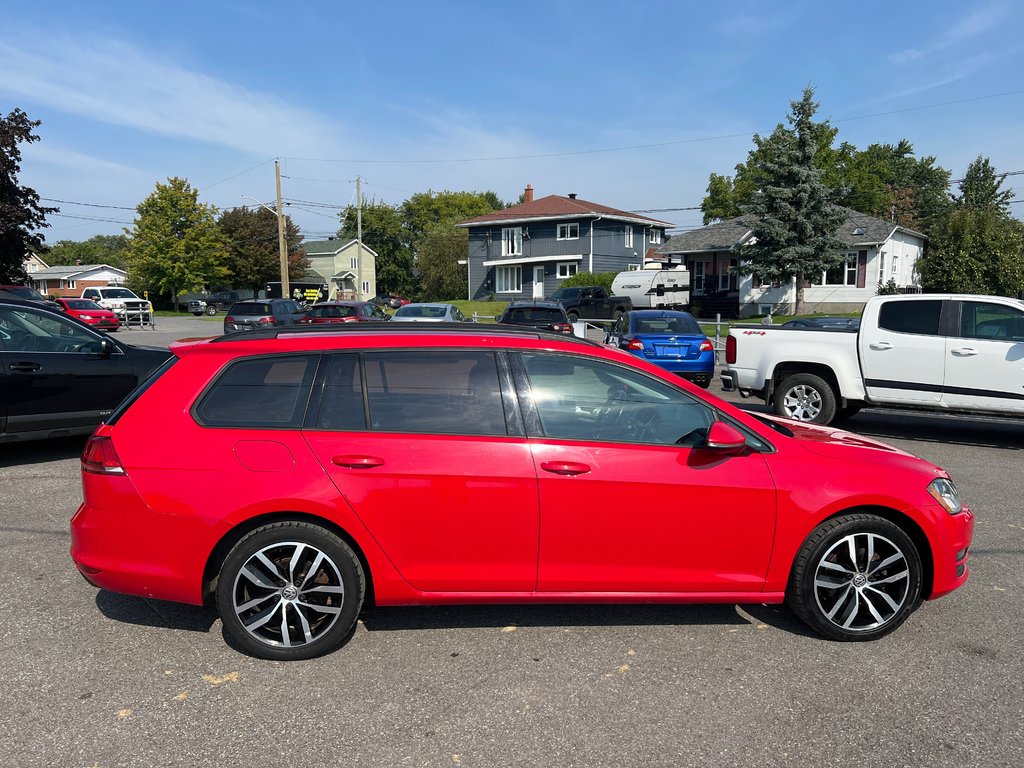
[
  {"x": 229, "y": 319},
  {"x": 99, "y": 457},
  {"x": 635, "y": 344},
  {"x": 266, "y": 320},
  {"x": 706, "y": 346},
  {"x": 562, "y": 327},
  {"x": 730, "y": 350}
]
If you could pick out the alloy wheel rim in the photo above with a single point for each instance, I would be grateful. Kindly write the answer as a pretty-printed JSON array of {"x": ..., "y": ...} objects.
[
  {"x": 802, "y": 403},
  {"x": 288, "y": 594},
  {"x": 861, "y": 583}
]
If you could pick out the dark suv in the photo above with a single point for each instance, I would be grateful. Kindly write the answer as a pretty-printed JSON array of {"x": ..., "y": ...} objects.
[
  {"x": 216, "y": 302},
  {"x": 542, "y": 315},
  {"x": 262, "y": 313}
]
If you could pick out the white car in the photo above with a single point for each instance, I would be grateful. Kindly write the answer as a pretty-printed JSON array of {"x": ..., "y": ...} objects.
[
  {"x": 122, "y": 302},
  {"x": 429, "y": 313}
]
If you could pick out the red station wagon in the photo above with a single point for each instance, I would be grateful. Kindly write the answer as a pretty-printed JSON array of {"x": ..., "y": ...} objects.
[{"x": 407, "y": 464}]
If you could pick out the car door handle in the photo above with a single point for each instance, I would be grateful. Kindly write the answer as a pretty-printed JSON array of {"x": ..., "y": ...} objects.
[
  {"x": 25, "y": 367},
  {"x": 880, "y": 345},
  {"x": 356, "y": 461},
  {"x": 564, "y": 467},
  {"x": 964, "y": 352}
]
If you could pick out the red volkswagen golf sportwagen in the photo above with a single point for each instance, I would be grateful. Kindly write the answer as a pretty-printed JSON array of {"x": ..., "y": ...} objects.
[{"x": 411, "y": 464}]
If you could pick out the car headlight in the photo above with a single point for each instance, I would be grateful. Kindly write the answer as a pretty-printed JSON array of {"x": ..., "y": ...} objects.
[{"x": 944, "y": 492}]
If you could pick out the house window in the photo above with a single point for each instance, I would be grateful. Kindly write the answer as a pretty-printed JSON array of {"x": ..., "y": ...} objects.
[
  {"x": 628, "y": 241},
  {"x": 353, "y": 262},
  {"x": 509, "y": 279},
  {"x": 512, "y": 241},
  {"x": 895, "y": 265},
  {"x": 881, "y": 267},
  {"x": 655, "y": 236},
  {"x": 569, "y": 231},
  {"x": 844, "y": 274},
  {"x": 70, "y": 285},
  {"x": 566, "y": 269},
  {"x": 366, "y": 287},
  {"x": 698, "y": 276}
]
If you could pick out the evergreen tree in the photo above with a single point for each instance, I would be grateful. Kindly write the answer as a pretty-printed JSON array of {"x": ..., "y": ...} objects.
[
  {"x": 980, "y": 188},
  {"x": 20, "y": 212},
  {"x": 793, "y": 215},
  {"x": 253, "y": 249},
  {"x": 442, "y": 278}
]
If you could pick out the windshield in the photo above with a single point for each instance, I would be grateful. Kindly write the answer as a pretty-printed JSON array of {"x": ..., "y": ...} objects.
[
  {"x": 25, "y": 292},
  {"x": 81, "y": 304},
  {"x": 118, "y": 293}
]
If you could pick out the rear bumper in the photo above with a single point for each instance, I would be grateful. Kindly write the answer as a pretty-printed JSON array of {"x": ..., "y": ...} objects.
[{"x": 728, "y": 381}]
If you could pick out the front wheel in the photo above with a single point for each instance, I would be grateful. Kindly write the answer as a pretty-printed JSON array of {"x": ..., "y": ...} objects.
[
  {"x": 290, "y": 590},
  {"x": 805, "y": 397},
  {"x": 857, "y": 577},
  {"x": 211, "y": 310}
]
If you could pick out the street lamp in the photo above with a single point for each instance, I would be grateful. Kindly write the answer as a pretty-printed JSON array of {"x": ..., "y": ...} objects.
[{"x": 282, "y": 245}]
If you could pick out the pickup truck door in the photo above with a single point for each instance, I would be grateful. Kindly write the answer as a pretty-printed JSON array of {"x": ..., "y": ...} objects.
[
  {"x": 985, "y": 357},
  {"x": 902, "y": 354}
]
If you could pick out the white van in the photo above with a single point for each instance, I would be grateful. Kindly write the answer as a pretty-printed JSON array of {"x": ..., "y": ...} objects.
[{"x": 655, "y": 288}]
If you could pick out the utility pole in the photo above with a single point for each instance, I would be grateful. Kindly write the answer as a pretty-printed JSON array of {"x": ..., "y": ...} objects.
[
  {"x": 281, "y": 241},
  {"x": 359, "y": 236}
]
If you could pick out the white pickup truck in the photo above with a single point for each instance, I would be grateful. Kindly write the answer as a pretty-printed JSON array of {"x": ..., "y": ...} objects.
[{"x": 939, "y": 352}]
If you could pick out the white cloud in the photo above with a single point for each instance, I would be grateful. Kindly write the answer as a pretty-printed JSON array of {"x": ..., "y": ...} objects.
[{"x": 977, "y": 23}]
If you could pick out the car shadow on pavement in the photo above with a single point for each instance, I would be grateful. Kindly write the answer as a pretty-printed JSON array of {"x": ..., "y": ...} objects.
[
  {"x": 17, "y": 454},
  {"x": 148, "y": 612}
]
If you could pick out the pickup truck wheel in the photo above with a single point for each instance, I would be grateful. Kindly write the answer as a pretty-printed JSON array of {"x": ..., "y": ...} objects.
[
  {"x": 573, "y": 317},
  {"x": 211, "y": 310},
  {"x": 857, "y": 577},
  {"x": 805, "y": 397}
]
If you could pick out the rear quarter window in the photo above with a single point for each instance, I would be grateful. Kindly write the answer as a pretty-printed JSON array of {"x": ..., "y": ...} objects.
[{"x": 259, "y": 393}]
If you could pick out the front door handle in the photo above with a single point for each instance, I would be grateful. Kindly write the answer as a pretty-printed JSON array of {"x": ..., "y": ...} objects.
[
  {"x": 964, "y": 352},
  {"x": 356, "y": 461},
  {"x": 880, "y": 345},
  {"x": 25, "y": 367},
  {"x": 564, "y": 467}
]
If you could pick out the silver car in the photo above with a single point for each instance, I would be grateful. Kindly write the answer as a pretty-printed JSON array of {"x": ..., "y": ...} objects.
[{"x": 429, "y": 313}]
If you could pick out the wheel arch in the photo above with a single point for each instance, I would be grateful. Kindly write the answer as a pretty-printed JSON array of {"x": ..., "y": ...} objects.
[
  {"x": 784, "y": 370},
  {"x": 220, "y": 551}
]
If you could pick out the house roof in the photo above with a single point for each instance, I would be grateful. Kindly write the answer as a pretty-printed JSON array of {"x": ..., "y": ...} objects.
[
  {"x": 70, "y": 271},
  {"x": 323, "y": 247},
  {"x": 558, "y": 207},
  {"x": 857, "y": 229}
]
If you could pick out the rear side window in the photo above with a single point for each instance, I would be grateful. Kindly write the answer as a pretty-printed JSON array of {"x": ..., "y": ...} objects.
[
  {"x": 919, "y": 317},
  {"x": 264, "y": 392}
]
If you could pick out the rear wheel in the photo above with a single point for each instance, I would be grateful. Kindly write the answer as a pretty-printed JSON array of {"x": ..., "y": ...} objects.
[
  {"x": 289, "y": 591},
  {"x": 857, "y": 577},
  {"x": 573, "y": 317},
  {"x": 805, "y": 397}
]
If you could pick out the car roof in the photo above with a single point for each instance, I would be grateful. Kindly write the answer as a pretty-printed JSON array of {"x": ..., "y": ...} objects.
[
  {"x": 535, "y": 303},
  {"x": 427, "y": 304},
  {"x": 660, "y": 313},
  {"x": 340, "y": 303}
]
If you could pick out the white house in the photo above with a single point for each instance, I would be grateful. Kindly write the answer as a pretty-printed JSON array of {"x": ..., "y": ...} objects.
[
  {"x": 878, "y": 252},
  {"x": 70, "y": 280}
]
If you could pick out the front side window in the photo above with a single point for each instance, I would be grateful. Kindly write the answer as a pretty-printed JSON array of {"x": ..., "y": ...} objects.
[
  {"x": 569, "y": 231},
  {"x": 509, "y": 279},
  {"x": 918, "y": 317},
  {"x": 26, "y": 330},
  {"x": 583, "y": 399},
  {"x": 981, "y": 320},
  {"x": 566, "y": 269},
  {"x": 512, "y": 241},
  {"x": 260, "y": 393}
]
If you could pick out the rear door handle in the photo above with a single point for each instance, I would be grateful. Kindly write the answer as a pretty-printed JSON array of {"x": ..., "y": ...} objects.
[
  {"x": 880, "y": 345},
  {"x": 964, "y": 352},
  {"x": 564, "y": 467},
  {"x": 357, "y": 462},
  {"x": 25, "y": 367}
]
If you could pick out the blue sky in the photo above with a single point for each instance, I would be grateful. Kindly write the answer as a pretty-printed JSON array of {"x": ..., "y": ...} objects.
[{"x": 629, "y": 104}]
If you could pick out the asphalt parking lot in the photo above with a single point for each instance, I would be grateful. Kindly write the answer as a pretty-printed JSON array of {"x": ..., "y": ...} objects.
[{"x": 92, "y": 678}]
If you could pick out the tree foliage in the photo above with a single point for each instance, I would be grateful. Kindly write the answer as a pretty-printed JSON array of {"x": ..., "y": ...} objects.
[
  {"x": 253, "y": 250},
  {"x": 20, "y": 213},
  {"x": 111, "y": 250},
  {"x": 442, "y": 278},
  {"x": 980, "y": 188},
  {"x": 383, "y": 231},
  {"x": 604, "y": 279},
  {"x": 793, "y": 213},
  {"x": 176, "y": 245}
]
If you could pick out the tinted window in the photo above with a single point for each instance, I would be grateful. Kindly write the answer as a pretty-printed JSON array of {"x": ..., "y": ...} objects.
[
  {"x": 261, "y": 392},
  {"x": 980, "y": 320},
  {"x": 680, "y": 324},
  {"x": 535, "y": 315},
  {"x": 251, "y": 309},
  {"x": 341, "y": 405},
  {"x": 581, "y": 399},
  {"x": 447, "y": 392},
  {"x": 329, "y": 311},
  {"x": 920, "y": 317},
  {"x": 29, "y": 330}
]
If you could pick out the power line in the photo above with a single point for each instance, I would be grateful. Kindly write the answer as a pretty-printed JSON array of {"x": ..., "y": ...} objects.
[{"x": 90, "y": 205}]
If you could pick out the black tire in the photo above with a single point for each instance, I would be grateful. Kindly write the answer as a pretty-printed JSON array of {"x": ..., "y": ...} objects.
[
  {"x": 805, "y": 397},
  {"x": 573, "y": 317},
  {"x": 846, "y": 411},
  {"x": 252, "y": 605},
  {"x": 211, "y": 309},
  {"x": 855, "y": 597},
  {"x": 198, "y": 314}
]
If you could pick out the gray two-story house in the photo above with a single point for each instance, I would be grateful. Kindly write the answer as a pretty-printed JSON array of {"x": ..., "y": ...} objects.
[{"x": 526, "y": 251}]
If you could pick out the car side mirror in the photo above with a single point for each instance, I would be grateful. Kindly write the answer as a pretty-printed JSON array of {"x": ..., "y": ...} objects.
[
  {"x": 725, "y": 438},
  {"x": 106, "y": 348}
]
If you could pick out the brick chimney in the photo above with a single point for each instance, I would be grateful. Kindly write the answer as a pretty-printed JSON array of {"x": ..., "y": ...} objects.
[{"x": 528, "y": 194}]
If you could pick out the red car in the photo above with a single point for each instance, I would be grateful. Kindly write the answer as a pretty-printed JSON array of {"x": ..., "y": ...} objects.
[
  {"x": 328, "y": 468},
  {"x": 91, "y": 313},
  {"x": 343, "y": 312}
]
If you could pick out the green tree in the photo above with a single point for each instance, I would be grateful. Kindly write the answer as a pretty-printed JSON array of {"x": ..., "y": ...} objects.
[
  {"x": 253, "y": 249},
  {"x": 385, "y": 233},
  {"x": 980, "y": 188},
  {"x": 793, "y": 214},
  {"x": 176, "y": 245},
  {"x": 20, "y": 213},
  {"x": 425, "y": 210},
  {"x": 101, "y": 249},
  {"x": 442, "y": 278}
]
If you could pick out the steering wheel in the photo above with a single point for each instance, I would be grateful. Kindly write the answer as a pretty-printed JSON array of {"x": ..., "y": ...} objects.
[{"x": 28, "y": 343}]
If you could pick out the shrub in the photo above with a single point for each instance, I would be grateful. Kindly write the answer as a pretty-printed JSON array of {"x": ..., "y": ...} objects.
[{"x": 604, "y": 279}]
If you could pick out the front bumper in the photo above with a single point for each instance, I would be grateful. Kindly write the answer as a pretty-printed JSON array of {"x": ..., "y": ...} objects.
[{"x": 951, "y": 551}]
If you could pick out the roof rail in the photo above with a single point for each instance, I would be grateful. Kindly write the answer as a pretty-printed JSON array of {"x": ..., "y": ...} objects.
[{"x": 389, "y": 328}]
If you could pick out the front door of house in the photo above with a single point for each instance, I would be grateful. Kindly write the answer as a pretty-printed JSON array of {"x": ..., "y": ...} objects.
[{"x": 538, "y": 282}]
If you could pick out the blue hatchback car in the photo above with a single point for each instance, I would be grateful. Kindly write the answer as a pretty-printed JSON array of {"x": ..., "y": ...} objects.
[{"x": 671, "y": 340}]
